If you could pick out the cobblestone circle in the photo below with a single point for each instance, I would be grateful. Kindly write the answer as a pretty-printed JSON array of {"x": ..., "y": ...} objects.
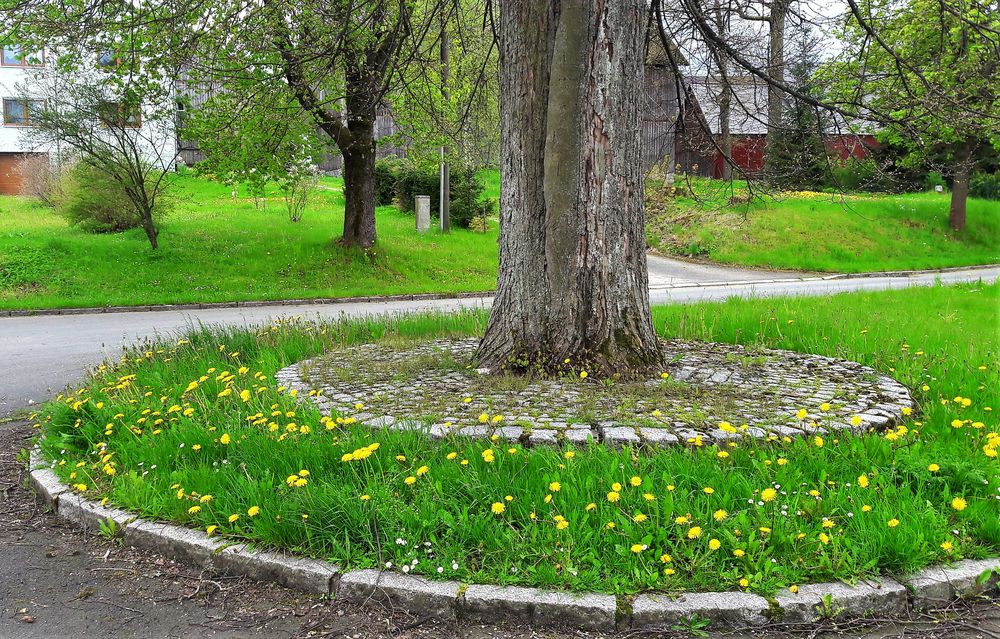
[{"x": 710, "y": 393}]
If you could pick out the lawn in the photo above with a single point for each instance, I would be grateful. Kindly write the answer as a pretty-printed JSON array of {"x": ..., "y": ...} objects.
[
  {"x": 823, "y": 232},
  {"x": 195, "y": 430},
  {"x": 214, "y": 249}
]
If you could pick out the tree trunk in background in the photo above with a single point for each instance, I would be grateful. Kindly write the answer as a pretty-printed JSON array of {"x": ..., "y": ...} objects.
[
  {"x": 726, "y": 96},
  {"x": 359, "y": 190},
  {"x": 573, "y": 281},
  {"x": 960, "y": 187},
  {"x": 726, "y": 137},
  {"x": 358, "y": 149},
  {"x": 775, "y": 68}
]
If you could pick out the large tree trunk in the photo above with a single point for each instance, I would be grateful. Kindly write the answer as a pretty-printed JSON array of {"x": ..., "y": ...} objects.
[
  {"x": 573, "y": 281},
  {"x": 960, "y": 187},
  {"x": 775, "y": 69}
]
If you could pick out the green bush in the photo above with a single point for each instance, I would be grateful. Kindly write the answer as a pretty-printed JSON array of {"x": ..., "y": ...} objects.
[
  {"x": 860, "y": 175},
  {"x": 985, "y": 186},
  {"x": 386, "y": 174},
  {"x": 96, "y": 203},
  {"x": 466, "y": 192},
  {"x": 934, "y": 179}
]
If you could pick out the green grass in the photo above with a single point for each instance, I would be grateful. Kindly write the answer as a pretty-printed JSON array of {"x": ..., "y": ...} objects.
[
  {"x": 824, "y": 232},
  {"x": 491, "y": 181},
  {"x": 142, "y": 418},
  {"x": 215, "y": 249}
]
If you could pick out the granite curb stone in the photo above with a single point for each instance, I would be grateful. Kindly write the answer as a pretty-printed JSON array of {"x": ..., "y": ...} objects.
[
  {"x": 888, "y": 597},
  {"x": 486, "y": 603},
  {"x": 393, "y": 589},
  {"x": 729, "y": 609},
  {"x": 493, "y": 604}
]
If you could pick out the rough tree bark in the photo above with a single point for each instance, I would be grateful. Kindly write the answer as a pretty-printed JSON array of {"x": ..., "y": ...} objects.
[
  {"x": 573, "y": 280},
  {"x": 960, "y": 187}
]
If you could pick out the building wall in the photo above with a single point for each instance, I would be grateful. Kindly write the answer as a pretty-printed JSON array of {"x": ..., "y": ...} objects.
[
  {"x": 20, "y": 82},
  {"x": 659, "y": 116}
]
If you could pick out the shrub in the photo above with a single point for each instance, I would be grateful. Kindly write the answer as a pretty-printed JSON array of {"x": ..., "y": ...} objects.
[
  {"x": 861, "y": 175},
  {"x": 96, "y": 203},
  {"x": 934, "y": 179},
  {"x": 386, "y": 174},
  {"x": 43, "y": 180},
  {"x": 985, "y": 185},
  {"x": 466, "y": 191}
]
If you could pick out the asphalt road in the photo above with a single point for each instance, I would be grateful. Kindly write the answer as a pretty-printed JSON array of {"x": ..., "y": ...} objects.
[{"x": 41, "y": 355}]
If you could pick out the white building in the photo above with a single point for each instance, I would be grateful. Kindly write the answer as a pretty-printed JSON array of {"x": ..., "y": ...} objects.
[{"x": 19, "y": 72}]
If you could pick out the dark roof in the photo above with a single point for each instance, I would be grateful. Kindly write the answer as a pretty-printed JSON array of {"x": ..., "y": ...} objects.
[{"x": 748, "y": 107}]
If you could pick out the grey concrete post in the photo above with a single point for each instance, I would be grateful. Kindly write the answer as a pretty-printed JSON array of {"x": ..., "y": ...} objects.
[{"x": 423, "y": 209}]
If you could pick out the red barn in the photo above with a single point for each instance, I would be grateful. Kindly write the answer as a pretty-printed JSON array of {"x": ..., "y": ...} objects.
[{"x": 699, "y": 129}]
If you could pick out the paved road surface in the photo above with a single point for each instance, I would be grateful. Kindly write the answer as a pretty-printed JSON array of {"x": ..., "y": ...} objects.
[{"x": 41, "y": 355}]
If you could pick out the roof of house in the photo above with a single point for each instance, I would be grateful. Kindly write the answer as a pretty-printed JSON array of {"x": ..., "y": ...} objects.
[{"x": 748, "y": 107}]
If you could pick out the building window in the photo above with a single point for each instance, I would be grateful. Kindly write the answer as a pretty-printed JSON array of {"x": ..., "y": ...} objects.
[
  {"x": 120, "y": 114},
  {"x": 21, "y": 112},
  {"x": 14, "y": 56}
]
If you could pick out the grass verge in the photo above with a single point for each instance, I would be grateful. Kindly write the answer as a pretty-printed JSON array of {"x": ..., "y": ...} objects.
[
  {"x": 215, "y": 249},
  {"x": 822, "y": 232},
  {"x": 195, "y": 431}
]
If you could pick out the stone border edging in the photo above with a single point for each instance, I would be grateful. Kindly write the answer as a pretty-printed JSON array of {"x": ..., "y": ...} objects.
[
  {"x": 451, "y": 600},
  {"x": 408, "y": 297}
]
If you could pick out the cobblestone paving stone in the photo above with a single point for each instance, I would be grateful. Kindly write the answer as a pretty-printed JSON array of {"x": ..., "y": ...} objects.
[{"x": 434, "y": 386}]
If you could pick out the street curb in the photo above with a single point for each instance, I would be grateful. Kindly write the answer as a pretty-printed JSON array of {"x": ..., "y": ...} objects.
[
  {"x": 316, "y": 301},
  {"x": 374, "y": 299},
  {"x": 450, "y": 600}
]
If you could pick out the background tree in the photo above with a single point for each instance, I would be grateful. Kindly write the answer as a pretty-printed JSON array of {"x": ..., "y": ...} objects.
[
  {"x": 935, "y": 68},
  {"x": 458, "y": 110},
  {"x": 256, "y": 142},
  {"x": 799, "y": 158},
  {"x": 118, "y": 126}
]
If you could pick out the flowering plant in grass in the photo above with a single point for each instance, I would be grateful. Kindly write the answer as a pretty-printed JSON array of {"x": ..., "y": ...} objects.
[{"x": 198, "y": 432}]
